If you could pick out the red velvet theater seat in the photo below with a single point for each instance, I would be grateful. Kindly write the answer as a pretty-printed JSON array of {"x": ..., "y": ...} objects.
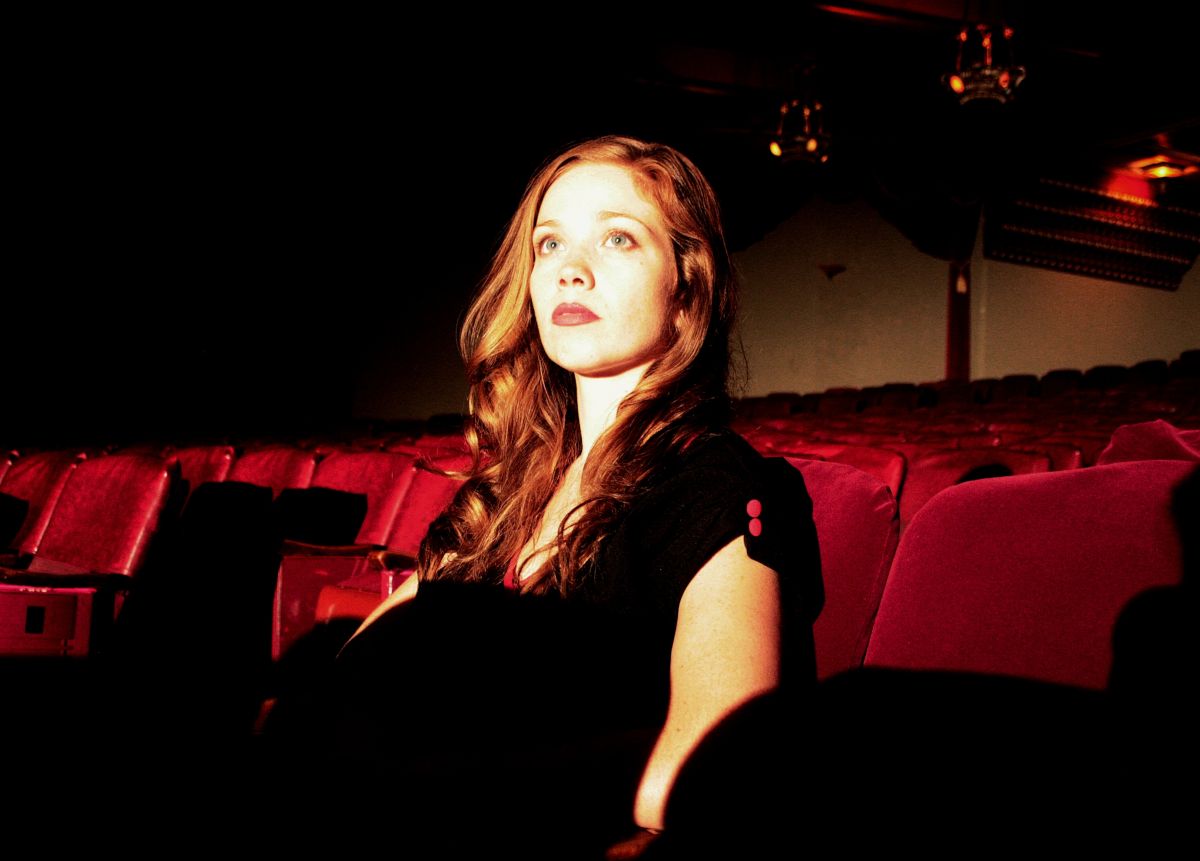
[
  {"x": 345, "y": 582},
  {"x": 306, "y": 571},
  {"x": 204, "y": 463},
  {"x": 886, "y": 466},
  {"x": 1156, "y": 440},
  {"x": 1062, "y": 455},
  {"x": 276, "y": 467},
  {"x": 1025, "y": 576},
  {"x": 428, "y": 497},
  {"x": 63, "y": 601},
  {"x": 933, "y": 470},
  {"x": 383, "y": 477},
  {"x": 857, "y": 527},
  {"x": 38, "y": 480},
  {"x": 1089, "y": 442}
]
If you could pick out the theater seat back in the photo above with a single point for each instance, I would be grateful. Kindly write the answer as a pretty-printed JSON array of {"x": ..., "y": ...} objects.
[
  {"x": 383, "y": 477},
  {"x": 857, "y": 527},
  {"x": 276, "y": 467},
  {"x": 104, "y": 518},
  {"x": 427, "y": 497},
  {"x": 931, "y": 470},
  {"x": 37, "y": 479},
  {"x": 1026, "y": 576},
  {"x": 204, "y": 463}
]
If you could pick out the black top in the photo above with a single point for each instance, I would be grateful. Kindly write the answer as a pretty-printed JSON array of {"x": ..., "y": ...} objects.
[
  {"x": 719, "y": 489},
  {"x": 525, "y": 698}
]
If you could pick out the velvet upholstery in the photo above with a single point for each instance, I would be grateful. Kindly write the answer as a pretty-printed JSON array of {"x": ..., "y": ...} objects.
[
  {"x": 931, "y": 470},
  {"x": 37, "y": 479},
  {"x": 427, "y": 497},
  {"x": 64, "y": 602},
  {"x": 105, "y": 515},
  {"x": 276, "y": 467},
  {"x": 303, "y": 579},
  {"x": 1156, "y": 440},
  {"x": 886, "y": 466},
  {"x": 204, "y": 463},
  {"x": 857, "y": 528},
  {"x": 1063, "y": 455},
  {"x": 384, "y": 477},
  {"x": 1089, "y": 442},
  {"x": 298, "y": 587},
  {"x": 1026, "y": 575}
]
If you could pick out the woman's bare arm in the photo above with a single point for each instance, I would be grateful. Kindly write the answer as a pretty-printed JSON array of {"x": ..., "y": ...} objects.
[
  {"x": 406, "y": 591},
  {"x": 726, "y": 651}
]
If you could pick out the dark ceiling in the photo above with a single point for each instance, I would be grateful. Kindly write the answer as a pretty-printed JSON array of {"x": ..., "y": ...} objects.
[
  {"x": 272, "y": 138},
  {"x": 1103, "y": 88},
  {"x": 307, "y": 187}
]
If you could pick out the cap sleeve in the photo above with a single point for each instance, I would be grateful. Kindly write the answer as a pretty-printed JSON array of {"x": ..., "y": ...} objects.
[{"x": 675, "y": 528}]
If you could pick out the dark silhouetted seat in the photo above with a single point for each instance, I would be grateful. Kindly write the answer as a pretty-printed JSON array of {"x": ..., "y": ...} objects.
[
  {"x": 1105, "y": 376},
  {"x": 1060, "y": 381},
  {"x": 1014, "y": 387}
]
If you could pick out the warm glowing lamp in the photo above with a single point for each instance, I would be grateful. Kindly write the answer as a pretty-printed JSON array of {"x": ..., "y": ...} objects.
[
  {"x": 984, "y": 68},
  {"x": 1161, "y": 167},
  {"x": 801, "y": 133}
]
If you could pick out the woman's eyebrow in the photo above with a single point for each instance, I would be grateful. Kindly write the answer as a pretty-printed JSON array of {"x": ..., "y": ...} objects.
[
  {"x": 602, "y": 215},
  {"x": 606, "y": 214}
]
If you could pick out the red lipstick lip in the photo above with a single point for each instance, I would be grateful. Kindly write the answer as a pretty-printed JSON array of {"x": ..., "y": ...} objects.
[{"x": 572, "y": 314}]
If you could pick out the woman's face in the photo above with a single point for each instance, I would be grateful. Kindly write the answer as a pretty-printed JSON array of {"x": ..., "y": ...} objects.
[{"x": 603, "y": 272}]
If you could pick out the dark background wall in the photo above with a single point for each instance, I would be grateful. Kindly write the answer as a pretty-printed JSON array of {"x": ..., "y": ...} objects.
[{"x": 269, "y": 223}]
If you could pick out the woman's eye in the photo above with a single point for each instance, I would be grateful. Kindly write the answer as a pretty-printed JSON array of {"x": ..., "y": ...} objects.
[
  {"x": 620, "y": 240},
  {"x": 547, "y": 245}
]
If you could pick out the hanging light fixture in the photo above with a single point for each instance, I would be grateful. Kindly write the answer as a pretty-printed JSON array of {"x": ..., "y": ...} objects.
[
  {"x": 984, "y": 67},
  {"x": 800, "y": 134}
]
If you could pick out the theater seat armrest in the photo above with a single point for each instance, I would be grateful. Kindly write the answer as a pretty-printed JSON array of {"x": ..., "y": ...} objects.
[
  {"x": 389, "y": 560},
  {"x": 300, "y": 548},
  {"x": 115, "y": 582}
]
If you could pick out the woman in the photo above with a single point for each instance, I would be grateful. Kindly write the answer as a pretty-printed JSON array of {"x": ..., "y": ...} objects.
[{"x": 606, "y": 489}]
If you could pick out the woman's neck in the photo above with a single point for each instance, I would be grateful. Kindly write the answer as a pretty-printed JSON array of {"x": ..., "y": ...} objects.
[{"x": 598, "y": 398}]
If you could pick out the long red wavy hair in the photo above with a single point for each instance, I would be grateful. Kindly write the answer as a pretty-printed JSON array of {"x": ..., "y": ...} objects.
[{"x": 523, "y": 428}]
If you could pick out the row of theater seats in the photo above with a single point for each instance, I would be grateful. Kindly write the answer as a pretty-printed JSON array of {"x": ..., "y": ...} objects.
[
  {"x": 920, "y": 450},
  {"x": 1023, "y": 575},
  {"x": 1074, "y": 581},
  {"x": 82, "y": 527},
  {"x": 1151, "y": 383},
  {"x": 79, "y": 529}
]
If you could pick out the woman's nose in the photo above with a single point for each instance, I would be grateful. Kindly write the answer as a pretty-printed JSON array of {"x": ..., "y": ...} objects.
[{"x": 575, "y": 272}]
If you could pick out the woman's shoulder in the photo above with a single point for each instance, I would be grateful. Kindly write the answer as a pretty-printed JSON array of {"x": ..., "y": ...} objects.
[
  {"x": 719, "y": 466},
  {"x": 717, "y": 489}
]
